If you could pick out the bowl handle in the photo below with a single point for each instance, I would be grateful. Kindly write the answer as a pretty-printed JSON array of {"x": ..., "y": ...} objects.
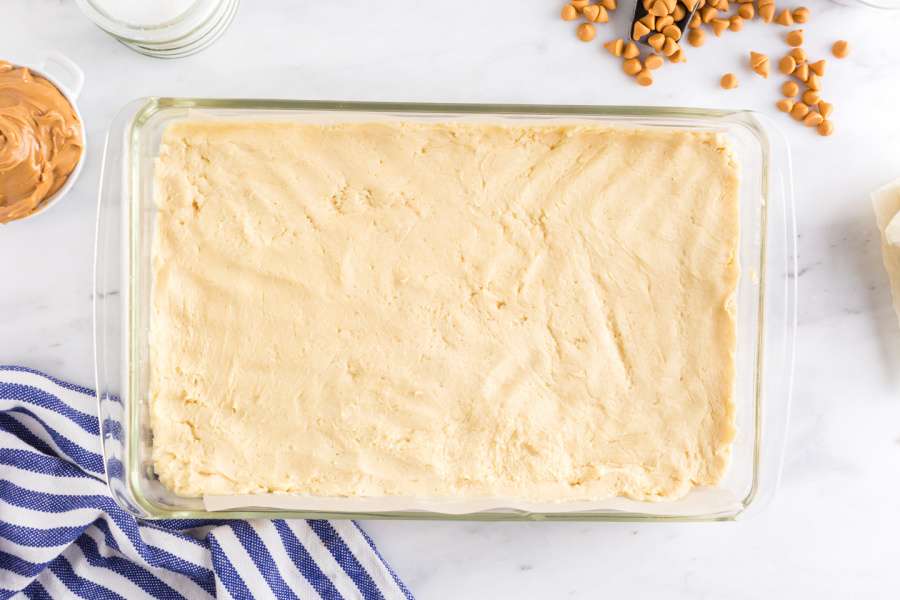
[{"x": 69, "y": 74}]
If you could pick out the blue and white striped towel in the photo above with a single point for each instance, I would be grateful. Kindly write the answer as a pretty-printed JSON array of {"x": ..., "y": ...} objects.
[{"x": 62, "y": 535}]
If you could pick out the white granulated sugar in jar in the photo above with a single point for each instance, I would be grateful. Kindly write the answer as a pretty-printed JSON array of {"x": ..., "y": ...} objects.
[{"x": 144, "y": 13}]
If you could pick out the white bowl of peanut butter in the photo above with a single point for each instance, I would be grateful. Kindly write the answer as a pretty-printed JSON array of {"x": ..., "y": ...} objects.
[{"x": 42, "y": 139}]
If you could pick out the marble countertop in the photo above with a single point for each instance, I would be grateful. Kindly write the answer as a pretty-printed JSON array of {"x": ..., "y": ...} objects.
[{"x": 833, "y": 528}]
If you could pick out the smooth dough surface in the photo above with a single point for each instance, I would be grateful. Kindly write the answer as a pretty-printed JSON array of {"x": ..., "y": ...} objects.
[{"x": 432, "y": 310}]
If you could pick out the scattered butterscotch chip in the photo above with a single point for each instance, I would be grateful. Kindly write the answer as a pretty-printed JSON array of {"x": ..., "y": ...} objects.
[
  {"x": 818, "y": 67},
  {"x": 586, "y": 32},
  {"x": 580, "y": 4},
  {"x": 785, "y": 105},
  {"x": 810, "y": 97},
  {"x": 798, "y": 54},
  {"x": 632, "y": 66},
  {"x": 760, "y": 64},
  {"x": 708, "y": 13},
  {"x": 670, "y": 47},
  {"x": 746, "y": 10},
  {"x": 679, "y": 13},
  {"x": 813, "y": 82},
  {"x": 664, "y": 22},
  {"x": 672, "y": 31},
  {"x": 690, "y": 4},
  {"x": 656, "y": 41},
  {"x": 825, "y": 108},
  {"x": 696, "y": 37},
  {"x": 644, "y": 78},
  {"x": 789, "y": 89},
  {"x": 591, "y": 11},
  {"x": 794, "y": 38},
  {"x": 729, "y": 81},
  {"x": 608, "y": 4},
  {"x": 631, "y": 50},
  {"x": 787, "y": 64},
  {"x": 767, "y": 12},
  {"x": 723, "y": 6},
  {"x": 602, "y": 16},
  {"x": 840, "y": 49},
  {"x": 649, "y": 20},
  {"x": 799, "y": 111},
  {"x": 569, "y": 13},
  {"x": 766, "y": 2},
  {"x": 719, "y": 26},
  {"x": 800, "y": 14},
  {"x": 812, "y": 119},
  {"x": 677, "y": 56},
  {"x": 639, "y": 30},
  {"x": 615, "y": 47},
  {"x": 785, "y": 18},
  {"x": 696, "y": 21},
  {"x": 653, "y": 61},
  {"x": 659, "y": 8},
  {"x": 825, "y": 128},
  {"x": 735, "y": 23},
  {"x": 802, "y": 72}
]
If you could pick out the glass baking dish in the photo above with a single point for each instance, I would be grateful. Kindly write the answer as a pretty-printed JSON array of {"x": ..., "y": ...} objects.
[{"x": 766, "y": 307}]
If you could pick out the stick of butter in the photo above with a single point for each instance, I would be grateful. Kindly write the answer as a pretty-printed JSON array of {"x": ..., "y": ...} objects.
[{"x": 886, "y": 202}]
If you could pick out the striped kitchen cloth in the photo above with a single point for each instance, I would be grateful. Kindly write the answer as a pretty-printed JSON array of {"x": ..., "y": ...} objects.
[{"x": 63, "y": 536}]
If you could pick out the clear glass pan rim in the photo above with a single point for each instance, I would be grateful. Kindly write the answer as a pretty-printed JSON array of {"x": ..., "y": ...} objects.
[{"x": 136, "y": 114}]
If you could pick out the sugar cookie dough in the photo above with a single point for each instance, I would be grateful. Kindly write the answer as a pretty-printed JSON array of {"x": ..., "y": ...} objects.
[{"x": 470, "y": 310}]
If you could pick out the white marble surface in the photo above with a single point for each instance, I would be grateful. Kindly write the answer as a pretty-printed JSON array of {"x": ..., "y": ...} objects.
[{"x": 834, "y": 526}]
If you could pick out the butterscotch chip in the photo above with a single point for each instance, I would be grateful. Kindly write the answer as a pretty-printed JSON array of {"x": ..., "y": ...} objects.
[
  {"x": 631, "y": 50},
  {"x": 646, "y": 4},
  {"x": 656, "y": 41},
  {"x": 653, "y": 61},
  {"x": 639, "y": 30},
  {"x": 802, "y": 72},
  {"x": 785, "y": 18},
  {"x": 798, "y": 54},
  {"x": 615, "y": 47},
  {"x": 818, "y": 67},
  {"x": 789, "y": 89},
  {"x": 659, "y": 8},
  {"x": 735, "y": 23},
  {"x": 586, "y": 32},
  {"x": 689, "y": 4},
  {"x": 746, "y": 10},
  {"x": 591, "y": 11},
  {"x": 825, "y": 128},
  {"x": 677, "y": 56},
  {"x": 810, "y": 97},
  {"x": 794, "y": 38},
  {"x": 767, "y": 12},
  {"x": 708, "y": 13},
  {"x": 825, "y": 108},
  {"x": 723, "y": 6},
  {"x": 649, "y": 20},
  {"x": 799, "y": 111},
  {"x": 664, "y": 22},
  {"x": 644, "y": 78},
  {"x": 580, "y": 4},
  {"x": 679, "y": 13},
  {"x": 569, "y": 13},
  {"x": 672, "y": 31},
  {"x": 785, "y": 105},
  {"x": 812, "y": 119},
  {"x": 696, "y": 37},
  {"x": 719, "y": 26},
  {"x": 729, "y": 81},
  {"x": 670, "y": 5},
  {"x": 800, "y": 14},
  {"x": 813, "y": 82},
  {"x": 696, "y": 21},
  {"x": 608, "y": 4},
  {"x": 787, "y": 64},
  {"x": 632, "y": 66},
  {"x": 760, "y": 64},
  {"x": 840, "y": 49},
  {"x": 670, "y": 47},
  {"x": 766, "y": 2},
  {"x": 602, "y": 16}
]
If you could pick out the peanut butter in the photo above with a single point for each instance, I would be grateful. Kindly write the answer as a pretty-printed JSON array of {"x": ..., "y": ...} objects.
[{"x": 40, "y": 141}]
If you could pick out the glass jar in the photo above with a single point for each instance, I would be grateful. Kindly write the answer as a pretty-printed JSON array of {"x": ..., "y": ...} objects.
[{"x": 164, "y": 29}]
